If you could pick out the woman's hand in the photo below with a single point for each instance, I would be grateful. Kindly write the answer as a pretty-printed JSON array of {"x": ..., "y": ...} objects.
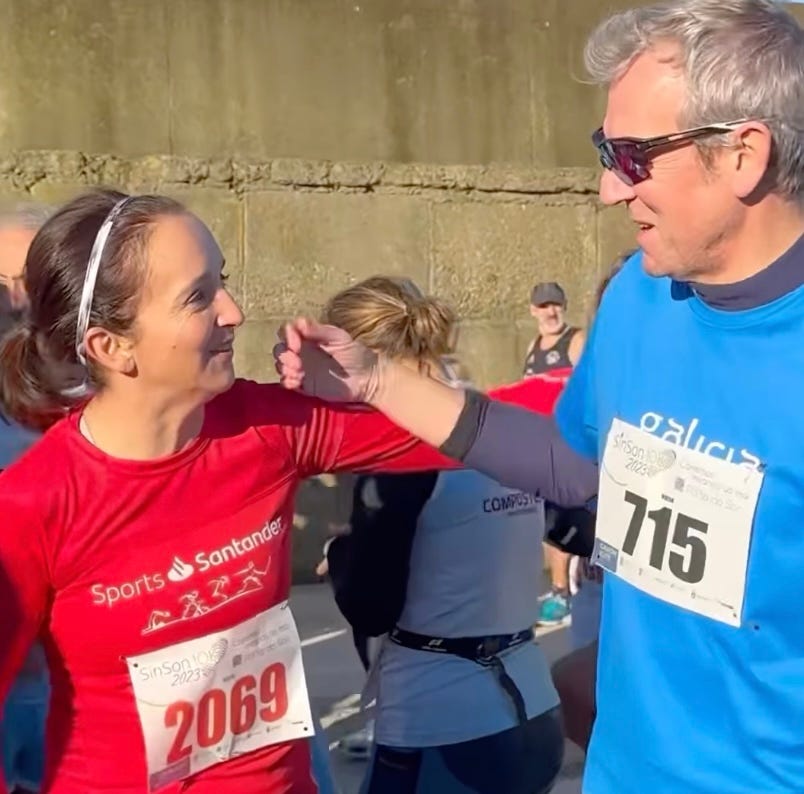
[{"x": 324, "y": 361}]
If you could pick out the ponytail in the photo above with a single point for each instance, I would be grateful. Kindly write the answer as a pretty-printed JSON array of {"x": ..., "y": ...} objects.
[{"x": 28, "y": 394}]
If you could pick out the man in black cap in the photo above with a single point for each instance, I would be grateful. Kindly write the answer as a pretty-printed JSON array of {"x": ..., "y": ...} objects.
[{"x": 556, "y": 346}]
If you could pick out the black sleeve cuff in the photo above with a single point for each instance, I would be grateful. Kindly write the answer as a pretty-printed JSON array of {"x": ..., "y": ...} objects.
[{"x": 467, "y": 428}]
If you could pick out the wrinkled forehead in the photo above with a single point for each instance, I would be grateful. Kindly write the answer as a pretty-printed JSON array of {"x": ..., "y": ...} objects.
[{"x": 647, "y": 99}]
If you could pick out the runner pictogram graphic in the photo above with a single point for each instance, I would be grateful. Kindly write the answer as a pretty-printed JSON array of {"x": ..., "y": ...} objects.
[
  {"x": 158, "y": 619},
  {"x": 193, "y": 607},
  {"x": 193, "y": 604},
  {"x": 252, "y": 577},
  {"x": 218, "y": 586}
]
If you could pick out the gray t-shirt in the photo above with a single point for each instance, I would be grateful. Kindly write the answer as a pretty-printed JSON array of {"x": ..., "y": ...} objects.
[{"x": 473, "y": 572}]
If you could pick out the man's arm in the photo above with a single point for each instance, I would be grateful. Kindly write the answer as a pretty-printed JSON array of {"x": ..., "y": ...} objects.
[{"x": 576, "y": 346}]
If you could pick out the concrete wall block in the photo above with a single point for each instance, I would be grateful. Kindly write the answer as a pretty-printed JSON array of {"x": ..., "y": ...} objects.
[
  {"x": 525, "y": 331},
  {"x": 355, "y": 174},
  {"x": 432, "y": 175},
  {"x": 489, "y": 354},
  {"x": 11, "y": 196},
  {"x": 222, "y": 212},
  {"x": 26, "y": 169},
  {"x": 519, "y": 179},
  {"x": 616, "y": 234},
  {"x": 107, "y": 171},
  {"x": 57, "y": 193},
  {"x": 488, "y": 256},
  {"x": 85, "y": 76},
  {"x": 300, "y": 172},
  {"x": 457, "y": 81},
  {"x": 254, "y": 343},
  {"x": 246, "y": 174},
  {"x": 147, "y": 174},
  {"x": 220, "y": 172},
  {"x": 301, "y": 247},
  {"x": 174, "y": 170}
]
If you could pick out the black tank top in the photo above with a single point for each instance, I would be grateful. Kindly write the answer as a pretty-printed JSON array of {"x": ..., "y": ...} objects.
[{"x": 555, "y": 357}]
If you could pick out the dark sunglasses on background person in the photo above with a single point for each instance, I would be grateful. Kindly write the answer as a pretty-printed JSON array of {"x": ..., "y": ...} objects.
[{"x": 629, "y": 158}]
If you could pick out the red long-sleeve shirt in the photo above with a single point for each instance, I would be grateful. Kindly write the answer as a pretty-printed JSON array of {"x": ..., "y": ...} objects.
[{"x": 107, "y": 559}]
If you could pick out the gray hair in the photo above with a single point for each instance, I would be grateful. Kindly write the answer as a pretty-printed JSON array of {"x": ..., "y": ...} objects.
[
  {"x": 24, "y": 215},
  {"x": 741, "y": 58}
]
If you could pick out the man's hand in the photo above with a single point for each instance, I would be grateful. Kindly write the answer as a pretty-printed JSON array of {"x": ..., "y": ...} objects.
[{"x": 324, "y": 361}]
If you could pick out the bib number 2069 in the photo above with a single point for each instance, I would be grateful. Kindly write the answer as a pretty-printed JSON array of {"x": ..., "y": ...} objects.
[
  {"x": 687, "y": 557},
  {"x": 219, "y": 712}
]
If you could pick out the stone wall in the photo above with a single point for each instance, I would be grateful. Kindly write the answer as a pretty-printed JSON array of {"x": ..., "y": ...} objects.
[
  {"x": 433, "y": 81},
  {"x": 293, "y": 231}
]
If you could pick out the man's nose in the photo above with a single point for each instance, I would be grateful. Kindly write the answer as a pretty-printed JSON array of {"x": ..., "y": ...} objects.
[{"x": 613, "y": 190}]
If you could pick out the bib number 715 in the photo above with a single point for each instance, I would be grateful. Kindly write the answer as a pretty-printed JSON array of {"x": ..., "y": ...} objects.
[{"x": 687, "y": 557}]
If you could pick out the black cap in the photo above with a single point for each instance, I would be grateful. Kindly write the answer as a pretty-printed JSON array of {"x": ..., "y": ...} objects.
[{"x": 548, "y": 292}]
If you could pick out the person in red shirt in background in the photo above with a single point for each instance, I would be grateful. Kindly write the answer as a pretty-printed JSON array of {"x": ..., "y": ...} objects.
[{"x": 146, "y": 536}]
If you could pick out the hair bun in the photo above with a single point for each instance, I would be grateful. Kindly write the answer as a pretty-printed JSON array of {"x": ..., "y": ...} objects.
[{"x": 392, "y": 315}]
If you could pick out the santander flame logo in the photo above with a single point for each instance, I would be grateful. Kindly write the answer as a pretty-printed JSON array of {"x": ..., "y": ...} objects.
[{"x": 180, "y": 570}]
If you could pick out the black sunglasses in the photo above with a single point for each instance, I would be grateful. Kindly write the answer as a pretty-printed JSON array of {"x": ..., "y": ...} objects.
[{"x": 630, "y": 158}]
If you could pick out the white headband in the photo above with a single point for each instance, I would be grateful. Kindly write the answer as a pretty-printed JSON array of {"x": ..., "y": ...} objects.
[{"x": 91, "y": 276}]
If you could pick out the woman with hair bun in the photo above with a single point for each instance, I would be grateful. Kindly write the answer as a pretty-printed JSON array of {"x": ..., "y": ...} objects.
[{"x": 446, "y": 565}]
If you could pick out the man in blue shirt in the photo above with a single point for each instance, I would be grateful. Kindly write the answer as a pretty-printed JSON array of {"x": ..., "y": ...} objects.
[
  {"x": 683, "y": 413},
  {"x": 688, "y": 397}
]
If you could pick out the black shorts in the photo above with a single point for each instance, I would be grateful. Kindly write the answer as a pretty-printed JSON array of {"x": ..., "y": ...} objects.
[{"x": 525, "y": 759}]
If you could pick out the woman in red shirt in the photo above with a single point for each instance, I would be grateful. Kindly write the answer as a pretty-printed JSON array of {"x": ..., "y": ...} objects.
[{"x": 146, "y": 537}]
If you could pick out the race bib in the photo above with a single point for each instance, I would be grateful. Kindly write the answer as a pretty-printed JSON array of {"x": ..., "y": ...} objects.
[
  {"x": 206, "y": 700},
  {"x": 676, "y": 523}
]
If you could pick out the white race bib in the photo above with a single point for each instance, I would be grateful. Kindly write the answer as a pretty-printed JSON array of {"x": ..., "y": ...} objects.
[
  {"x": 206, "y": 700},
  {"x": 676, "y": 523}
]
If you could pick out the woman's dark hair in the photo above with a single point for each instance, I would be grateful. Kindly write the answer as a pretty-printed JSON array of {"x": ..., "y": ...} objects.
[{"x": 38, "y": 361}]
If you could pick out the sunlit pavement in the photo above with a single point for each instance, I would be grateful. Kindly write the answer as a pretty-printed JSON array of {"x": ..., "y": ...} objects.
[{"x": 335, "y": 678}]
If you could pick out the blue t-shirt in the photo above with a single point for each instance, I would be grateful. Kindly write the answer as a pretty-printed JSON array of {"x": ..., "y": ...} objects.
[
  {"x": 688, "y": 704},
  {"x": 14, "y": 440}
]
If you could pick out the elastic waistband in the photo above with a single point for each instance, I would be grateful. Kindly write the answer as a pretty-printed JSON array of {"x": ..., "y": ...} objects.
[{"x": 472, "y": 648}]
